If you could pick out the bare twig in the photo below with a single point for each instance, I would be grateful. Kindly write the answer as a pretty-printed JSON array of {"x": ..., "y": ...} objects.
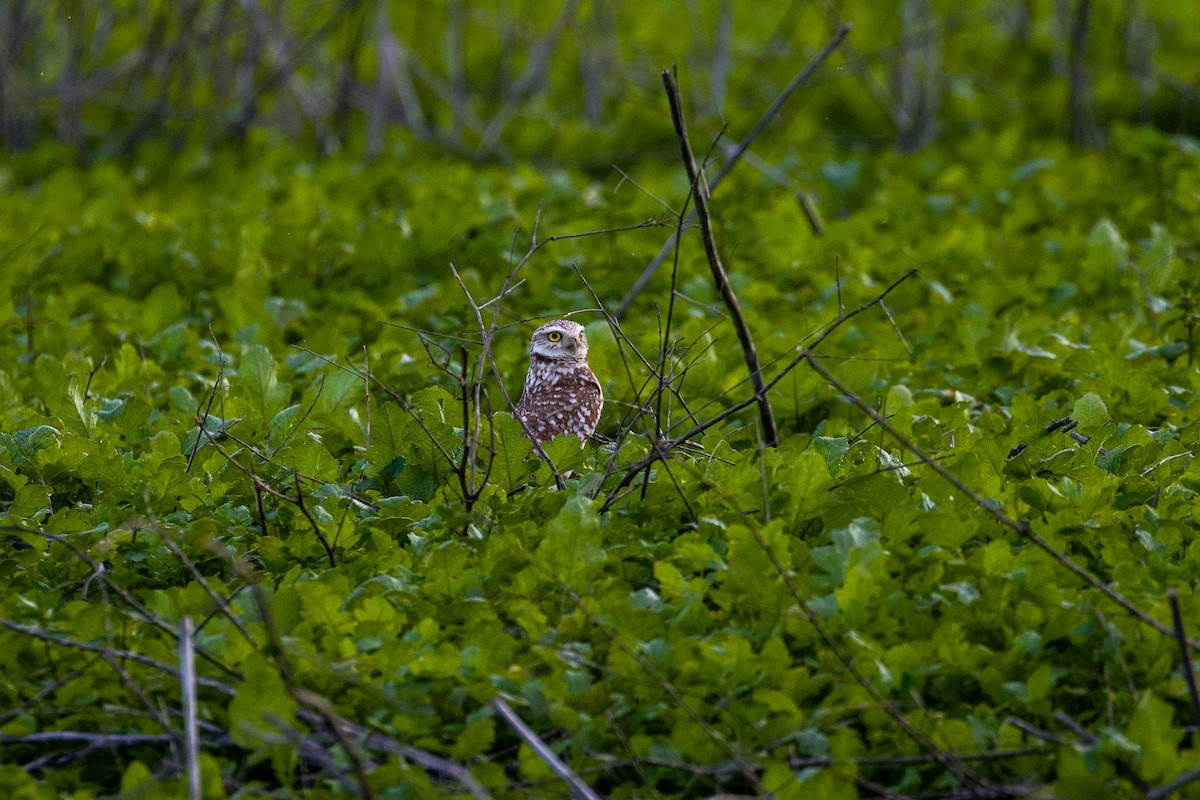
[
  {"x": 533, "y": 76},
  {"x": 734, "y": 157},
  {"x": 700, "y": 192},
  {"x": 1076, "y": 19},
  {"x": 96, "y": 740},
  {"x": 1164, "y": 460},
  {"x": 191, "y": 730},
  {"x": 198, "y": 576},
  {"x": 810, "y": 212},
  {"x": 311, "y": 521},
  {"x": 87, "y": 390},
  {"x": 38, "y": 697},
  {"x": 202, "y": 422},
  {"x": 1168, "y": 789},
  {"x": 488, "y": 333},
  {"x": 346, "y": 730},
  {"x": 1189, "y": 671},
  {"x": 744, "y": 767},
  {"x": 578, "y": 788}
]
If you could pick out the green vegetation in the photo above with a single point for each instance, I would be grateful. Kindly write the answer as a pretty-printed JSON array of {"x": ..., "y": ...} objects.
[{"x": 250, "y": 385}]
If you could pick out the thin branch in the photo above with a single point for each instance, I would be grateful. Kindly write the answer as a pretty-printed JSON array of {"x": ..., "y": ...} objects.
[
  {"x": 1189, "y": 671},
  {"x": 1168, "y": 789},
  {"x": 578, "y": 788},
  {"x": 191, "y": 730},
  {"x": 700, "y": 192},
  {"x": 218, "y": 601},
  {"x": 770, "y": 114}
]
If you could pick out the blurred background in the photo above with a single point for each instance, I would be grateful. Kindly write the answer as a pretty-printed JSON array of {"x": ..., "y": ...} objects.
[{"x": 577, "y": 81}]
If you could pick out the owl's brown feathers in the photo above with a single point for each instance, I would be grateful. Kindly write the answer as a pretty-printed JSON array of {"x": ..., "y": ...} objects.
[{"x": 561, "y": 394}]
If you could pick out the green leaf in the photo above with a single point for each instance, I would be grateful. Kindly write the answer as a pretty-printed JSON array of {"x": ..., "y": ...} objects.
[
  {"x": 571, "y": 548},
  {"x": 564, "y": 453},
  {"x": 1107, "y": 246},
  {"x": 512, "y": 466},
  {"x": 25, "y": 444},
  {"x": 1090, "y": 412},
  {"x": 261, "y": 704},
  {"x": 1152, "y": 728},
  {"x": 258, "y": 381}
]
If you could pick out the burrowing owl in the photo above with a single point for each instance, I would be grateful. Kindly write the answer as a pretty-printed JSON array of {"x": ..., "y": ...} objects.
[{"x": 561, "y": 394}]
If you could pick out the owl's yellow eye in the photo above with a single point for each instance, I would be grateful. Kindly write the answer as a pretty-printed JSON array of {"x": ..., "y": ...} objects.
[{"x": 554, "y": 336}]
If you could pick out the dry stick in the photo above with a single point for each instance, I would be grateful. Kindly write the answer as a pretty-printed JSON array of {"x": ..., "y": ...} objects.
[
  {"x": 390, "y": 392},
  {"x": 153, "y": 708},
  {"x": 455, "y": 71},
  {"x": 298, "y": 424},
  {"x": 655, "y": 435},
  {"x": 700, "y": 191},
  {"x": 1189, "y": 672},
  {"x": 798, "y": 763},
  {"x": 202, "y": 422},
  {"x": 466, "y": 464},
  {"x": 24, "y": 242},
  {"x": 260, "y": 486},
  {"x": 578, "y": 788},
  {"x": 656, "y": 373},
  {"x": 191, "y": 729},
  {"x": 366, "y": 408},
  {"x": 810, "y": 212},
  {"x": 859, "y": 65},
  {"x": 311, "y": 521},
  {"x": 734, "y": 158},
  {"x": 389, "y": 71},
  {"x": 1167, "y": 789},
  {"x": 96, "y": 740},
  {"x": 989, "y": 508},
  {"x": 1088, "y": 739},
  {"x": 667, "y": 350},
  {"x": 426, "y": 760}
]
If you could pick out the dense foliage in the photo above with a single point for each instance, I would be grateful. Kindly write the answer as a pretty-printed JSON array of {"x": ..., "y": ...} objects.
[{"x": 255, "y": 391}]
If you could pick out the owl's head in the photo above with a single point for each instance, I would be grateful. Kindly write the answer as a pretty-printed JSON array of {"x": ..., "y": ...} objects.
[{"x": 560, "y": 340}]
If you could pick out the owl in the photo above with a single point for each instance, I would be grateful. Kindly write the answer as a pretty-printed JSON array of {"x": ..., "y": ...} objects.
[{"x": 561, "y": 394}]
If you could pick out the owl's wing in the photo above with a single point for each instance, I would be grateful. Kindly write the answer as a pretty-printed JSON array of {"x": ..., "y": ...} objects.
[{"x": 592, "y": 398}]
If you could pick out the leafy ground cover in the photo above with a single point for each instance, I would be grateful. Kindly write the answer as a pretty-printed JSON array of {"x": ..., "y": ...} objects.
[
  {"x": 258, "y": 404},
  {"x": 189, "y": 431}
]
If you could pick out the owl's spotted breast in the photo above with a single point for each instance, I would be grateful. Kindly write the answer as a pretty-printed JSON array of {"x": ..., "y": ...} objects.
[{"x": 561, "y": 394}]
